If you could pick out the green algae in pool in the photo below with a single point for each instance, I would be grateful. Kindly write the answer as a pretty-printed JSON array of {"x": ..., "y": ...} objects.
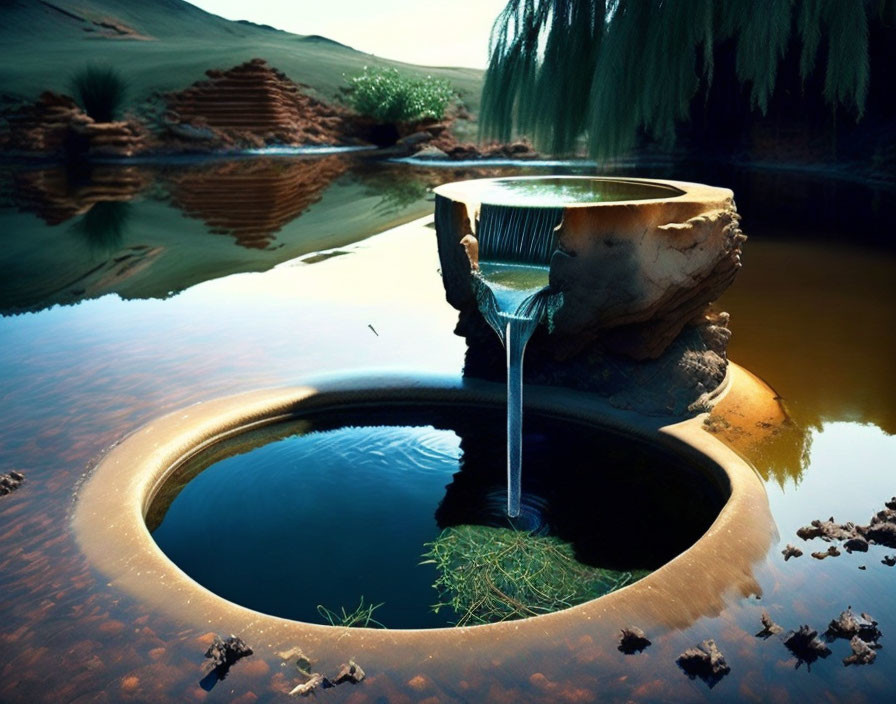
[{"x": 345, "y": 507}]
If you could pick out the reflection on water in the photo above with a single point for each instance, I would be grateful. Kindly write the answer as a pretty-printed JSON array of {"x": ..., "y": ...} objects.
[
  {"x": 812, "y": 317},
  {"x": 335, "y": 487},
  {"x": 153, "y": 230},
  {"x": 58, "y": 193},
  {"x": 104, "y": 224},
  {"x": 252, "y": 200}
]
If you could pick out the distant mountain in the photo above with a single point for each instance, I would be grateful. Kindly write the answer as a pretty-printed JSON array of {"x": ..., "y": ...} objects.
[{"x": 163, "y": 45}]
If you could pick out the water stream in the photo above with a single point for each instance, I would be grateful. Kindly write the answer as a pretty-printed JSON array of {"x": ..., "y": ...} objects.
[{"x": 511, "y": 284}]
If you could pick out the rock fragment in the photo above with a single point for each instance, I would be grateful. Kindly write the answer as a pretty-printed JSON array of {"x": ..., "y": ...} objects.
[
  {"x": 632, "y": 640},
  {"x": 224, "y": 653},
  {"x": 830, "y": 552},
  {"x": 862, "y": 653},
  {"x": 314, "y": 681},
  {"x": 827, "y": 530},
  {"x": 889, "y": 560},
  {"x": 856, "y": 545},
  {"x": 10, "y": 482},
  {"x": 791, "y": 551},
  {"x": 882, "y": 532},
  {"x": 350, "y": 672},
  {"x": 704, "y": 661},
  {"x": 769, "y": 627},
  {"x": 806, "y": 646},
  {"x": 848, "y": 625}
]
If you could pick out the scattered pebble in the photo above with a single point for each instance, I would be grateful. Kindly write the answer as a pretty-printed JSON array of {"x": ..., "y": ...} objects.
[
  {"x": 889, "y": 560},
  {"x": 769, "y": 627},
  {"x": 294, "y": 652},
  {"x": 791, "y": 551},
  {"x": 224, "y": 653},
  {"x": 848, "y": 625},
  {"x": 314, "y": 681},
  {"x": 633, "y": 640},
  {"x": 856, "y": 545},
  {"x": 10, "y": 482},
  {"x": 862, "y": 653},
  {"x": 704, "y": 661},
  {"x": 827, "y": 530},
  {"x": 806, "y": 646},
  {"x": 830, "y": 552},
  {"x": 350, "y": 672},
  {"x": 862, "y": 567},
  {"x": 881, "y": 530}
]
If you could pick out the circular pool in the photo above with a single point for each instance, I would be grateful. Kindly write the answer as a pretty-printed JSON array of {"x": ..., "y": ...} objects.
[
  {"x": 114, "y": 503},
  {"x": 334, "y": 511}
]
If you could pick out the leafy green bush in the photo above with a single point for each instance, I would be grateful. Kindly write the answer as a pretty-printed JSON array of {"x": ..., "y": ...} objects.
[
  {"x": 388, "y": 96},
  {"x": 100, "y": 90}
]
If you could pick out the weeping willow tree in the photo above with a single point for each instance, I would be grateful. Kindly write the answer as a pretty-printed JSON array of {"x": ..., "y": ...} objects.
[{"x": 613, "y": 69}]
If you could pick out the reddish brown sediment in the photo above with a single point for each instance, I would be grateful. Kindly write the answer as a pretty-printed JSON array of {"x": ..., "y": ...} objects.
[
  {"x": 254, "y": 104},
  {"x": 253, "y": 200}
]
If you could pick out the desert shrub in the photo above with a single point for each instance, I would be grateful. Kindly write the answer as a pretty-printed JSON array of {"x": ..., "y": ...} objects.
[
  {"x": 100, "y": 90},
  {"x": 388, "y": 96}
]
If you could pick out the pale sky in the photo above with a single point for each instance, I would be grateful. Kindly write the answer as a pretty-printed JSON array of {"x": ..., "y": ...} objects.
[{"x": 427, "y": 32}]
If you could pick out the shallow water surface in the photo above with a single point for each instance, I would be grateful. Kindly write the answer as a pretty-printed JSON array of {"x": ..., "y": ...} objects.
[{"x": 144, "y": 310}]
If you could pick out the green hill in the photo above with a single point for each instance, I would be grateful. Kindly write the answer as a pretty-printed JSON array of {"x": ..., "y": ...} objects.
[{"x": 163, "y": 45}]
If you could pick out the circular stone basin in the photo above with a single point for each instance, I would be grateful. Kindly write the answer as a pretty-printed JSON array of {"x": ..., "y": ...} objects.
[
  {"x": 333, "y": 510},
  {"x": 555, "y": 191},
  {"x": 113, "y": 507}
]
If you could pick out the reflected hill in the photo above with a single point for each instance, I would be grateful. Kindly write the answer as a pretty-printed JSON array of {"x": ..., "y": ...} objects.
[
  {"x": 253, "y": 200},
  {"x": 150, "y": 231},
  {"x": 58, "y": 194}
]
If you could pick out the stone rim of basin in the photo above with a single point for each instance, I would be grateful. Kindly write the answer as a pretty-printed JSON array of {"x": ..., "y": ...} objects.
[
  {"x": 109, "y": 517},
  {"x": 499, "y": 191}
]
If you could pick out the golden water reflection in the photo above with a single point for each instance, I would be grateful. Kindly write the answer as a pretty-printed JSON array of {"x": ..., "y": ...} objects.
[{"x": 817, "y": 323}]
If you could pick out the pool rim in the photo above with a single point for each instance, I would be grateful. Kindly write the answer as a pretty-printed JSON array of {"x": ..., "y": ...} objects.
[{"x": 109, "y": 513}]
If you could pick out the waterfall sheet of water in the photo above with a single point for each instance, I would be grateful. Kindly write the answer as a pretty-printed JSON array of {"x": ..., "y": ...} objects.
[
  {"x": 514, "y": 299},
  {"x": 515, "y": 249}
]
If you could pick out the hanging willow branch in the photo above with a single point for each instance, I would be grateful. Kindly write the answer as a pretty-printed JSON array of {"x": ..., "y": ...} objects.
[{"x": 610, "y": 69}]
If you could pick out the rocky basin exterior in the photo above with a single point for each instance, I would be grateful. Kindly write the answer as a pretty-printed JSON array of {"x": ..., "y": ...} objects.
[{"x": 638, "y": 279}]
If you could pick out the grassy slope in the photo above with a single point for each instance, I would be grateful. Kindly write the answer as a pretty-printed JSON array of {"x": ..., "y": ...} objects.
[{"x": 42, "y": 45}]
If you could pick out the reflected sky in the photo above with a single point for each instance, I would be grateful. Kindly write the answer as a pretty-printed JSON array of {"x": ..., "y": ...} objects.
[{"x": 196, "y": 315}]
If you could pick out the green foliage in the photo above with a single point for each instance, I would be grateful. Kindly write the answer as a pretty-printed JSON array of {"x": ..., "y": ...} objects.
[
  {"x": 391, "y": 97},
  {"x": 100, "y": 90},
  {"x": 360, "y": 617},
  {"x": 498, "y": 574},
  {"x": 611, "y": 68}
]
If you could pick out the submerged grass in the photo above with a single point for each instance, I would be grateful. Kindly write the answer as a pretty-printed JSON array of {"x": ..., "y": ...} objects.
[
  {"x": 360, "y": 617},
  {"x": 499, "y": 574}
]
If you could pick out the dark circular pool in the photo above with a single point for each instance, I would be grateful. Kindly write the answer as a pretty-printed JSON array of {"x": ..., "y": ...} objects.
[{"x": 314, "y": 518}]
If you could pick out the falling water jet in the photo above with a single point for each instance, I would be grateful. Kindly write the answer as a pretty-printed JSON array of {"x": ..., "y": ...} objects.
[{"x": 509, "y": 262}]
